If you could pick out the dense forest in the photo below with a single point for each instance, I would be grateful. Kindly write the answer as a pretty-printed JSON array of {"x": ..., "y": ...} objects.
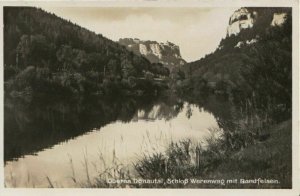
[
  {"x": 46, "y": 55},
  {"x": 260, "y": 72}
]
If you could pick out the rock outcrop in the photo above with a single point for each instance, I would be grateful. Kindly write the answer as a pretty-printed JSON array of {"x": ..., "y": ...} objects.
[
  {"x": 240, "y": 19},
  {"x": 167, "y": 53},
  {"x": 247, "y": 42},
  {"x": 245, "y": 18},
  {"x": 278, "y": 19}
]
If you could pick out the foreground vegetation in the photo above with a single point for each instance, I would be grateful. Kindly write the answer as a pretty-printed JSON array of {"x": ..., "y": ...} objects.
[
  {"x": 250, "y": 145},
  {"x": 214, "y": 163}
]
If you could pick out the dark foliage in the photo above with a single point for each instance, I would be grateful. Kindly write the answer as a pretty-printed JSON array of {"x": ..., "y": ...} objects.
[
  {"x": 44, "y": 54},
  {"x": 261, "y": 71}
]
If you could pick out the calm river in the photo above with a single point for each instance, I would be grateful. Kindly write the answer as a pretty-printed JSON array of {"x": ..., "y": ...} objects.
[{"x": 60, "y": 142}]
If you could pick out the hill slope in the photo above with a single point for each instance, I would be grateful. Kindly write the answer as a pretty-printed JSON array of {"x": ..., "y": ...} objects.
[
  {"x": 255, "y": 55},
  {"x": 44, "y": 54}
]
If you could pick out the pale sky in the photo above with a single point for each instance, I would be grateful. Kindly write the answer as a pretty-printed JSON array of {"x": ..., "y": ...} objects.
[{"x": 197, "y": 31}]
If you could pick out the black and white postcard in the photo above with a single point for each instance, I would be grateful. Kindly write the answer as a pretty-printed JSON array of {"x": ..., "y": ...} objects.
[{"x": 150, "y": 96}]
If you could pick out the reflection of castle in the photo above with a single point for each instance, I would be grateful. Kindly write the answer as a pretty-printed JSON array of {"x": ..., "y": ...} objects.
[{"x": 158, "y": 111}]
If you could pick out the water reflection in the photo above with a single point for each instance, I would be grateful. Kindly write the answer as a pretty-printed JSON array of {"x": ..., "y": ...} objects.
[
  {"x": 31, "y": 128},
  {"x": 122, "y": 131}
]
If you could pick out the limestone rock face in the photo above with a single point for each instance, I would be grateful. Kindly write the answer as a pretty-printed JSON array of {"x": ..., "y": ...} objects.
[
  {"x": 278, "y": 19},
  {"x": 240, "y": 19},
  {"x": 244, "y": 43},
  {"x": 166, "y": 53},
  {"x": 245, "y": 18}
]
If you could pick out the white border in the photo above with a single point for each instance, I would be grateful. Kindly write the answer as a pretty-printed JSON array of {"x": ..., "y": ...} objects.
[{"x": 168, "y": 3}]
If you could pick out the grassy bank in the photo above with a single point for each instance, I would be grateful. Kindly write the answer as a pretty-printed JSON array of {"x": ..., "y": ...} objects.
[{"x": 268, "y": 158}]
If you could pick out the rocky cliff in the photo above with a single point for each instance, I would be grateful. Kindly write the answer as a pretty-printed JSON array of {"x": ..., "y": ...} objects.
[
  {"x": 240, "y": 19},
  {"x": 245, "y": 18},
  {"x": 255, "y": 37},
  {"x": 167, "y": 53}
]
